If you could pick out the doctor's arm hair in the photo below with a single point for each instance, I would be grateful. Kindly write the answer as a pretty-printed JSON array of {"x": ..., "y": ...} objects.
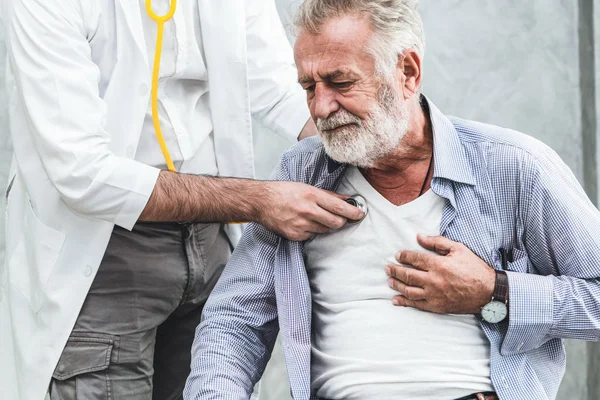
[{"x": 181, "y": 197}]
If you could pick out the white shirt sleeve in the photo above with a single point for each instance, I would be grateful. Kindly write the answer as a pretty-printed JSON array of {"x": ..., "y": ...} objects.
[
  {"x": 59, "y": 102},
  {"x": 276, "y": 98}
]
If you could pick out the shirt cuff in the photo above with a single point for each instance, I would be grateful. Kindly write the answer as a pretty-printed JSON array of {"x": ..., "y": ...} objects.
[
  {"x": 141, "y": 179},
  {"x": 530, "y": 312}
]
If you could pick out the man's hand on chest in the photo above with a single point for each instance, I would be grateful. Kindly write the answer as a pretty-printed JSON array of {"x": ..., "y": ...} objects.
[{"x": 452, "y": 281}]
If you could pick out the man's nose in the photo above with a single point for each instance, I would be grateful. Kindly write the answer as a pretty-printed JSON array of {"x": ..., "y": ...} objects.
[{"x": 324, "y": 102}]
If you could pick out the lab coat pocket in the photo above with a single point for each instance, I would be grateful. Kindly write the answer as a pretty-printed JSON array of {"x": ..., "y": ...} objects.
[{"x": 34, "y": 257}]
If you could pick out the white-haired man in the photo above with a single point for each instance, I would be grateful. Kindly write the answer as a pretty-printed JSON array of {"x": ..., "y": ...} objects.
[{"x": 475, "y": 307}]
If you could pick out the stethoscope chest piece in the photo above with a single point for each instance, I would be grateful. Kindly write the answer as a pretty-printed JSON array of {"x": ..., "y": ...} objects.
[{"x": 359, "y": 202}]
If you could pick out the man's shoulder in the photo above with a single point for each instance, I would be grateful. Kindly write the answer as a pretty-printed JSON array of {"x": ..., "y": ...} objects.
[
  {"x": 306, "y": 162},
  {"x": 482, "y": 133},
  {"x": 310, "y": 145},
  {"x": 502, "y": 144},
  {"x": 306, "y": 154}
]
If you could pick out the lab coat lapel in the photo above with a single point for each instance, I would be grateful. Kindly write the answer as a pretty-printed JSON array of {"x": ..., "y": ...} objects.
[
  {"x": 133, "y": 19},
  {"x": 126, "y": 109},
  {"x": 223, "y": 25}
]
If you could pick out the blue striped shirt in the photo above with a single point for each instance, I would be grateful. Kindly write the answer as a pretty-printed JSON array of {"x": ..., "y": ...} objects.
[{"x": 503, "y": 190}]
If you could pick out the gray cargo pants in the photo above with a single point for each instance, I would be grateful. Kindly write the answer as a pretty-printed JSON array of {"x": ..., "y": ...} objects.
[{"x": 133, "y": 336}]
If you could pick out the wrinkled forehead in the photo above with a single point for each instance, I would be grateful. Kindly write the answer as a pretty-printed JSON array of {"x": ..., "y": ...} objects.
[{"x": 341, "y": 45}]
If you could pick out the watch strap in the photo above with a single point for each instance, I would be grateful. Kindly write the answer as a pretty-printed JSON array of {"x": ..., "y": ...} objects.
[{"x": 501, "y": 287}]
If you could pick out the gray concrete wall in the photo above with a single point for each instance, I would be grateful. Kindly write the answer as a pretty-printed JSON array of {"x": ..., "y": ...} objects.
[
  {"x": 597, "y": 74},
  {"x": 510, "y": 63}
]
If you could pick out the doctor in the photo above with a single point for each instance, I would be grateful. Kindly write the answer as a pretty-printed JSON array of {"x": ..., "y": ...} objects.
[{"x": 110, "y": 258}]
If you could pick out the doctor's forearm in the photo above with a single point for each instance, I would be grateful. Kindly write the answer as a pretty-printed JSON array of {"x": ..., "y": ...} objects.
[
  {"x": 294, "y": 210},
  {"x": 183, "y": 197}
]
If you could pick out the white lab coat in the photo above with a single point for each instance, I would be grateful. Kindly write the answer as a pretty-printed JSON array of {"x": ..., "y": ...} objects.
[{"x": 75, "y": 131}]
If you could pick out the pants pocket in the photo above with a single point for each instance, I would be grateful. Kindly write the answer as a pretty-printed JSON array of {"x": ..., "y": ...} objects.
[{"x": 82, "y": 371}]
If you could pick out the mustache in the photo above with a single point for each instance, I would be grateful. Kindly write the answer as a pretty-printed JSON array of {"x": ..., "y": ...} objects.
[{"x": 340, "y": 118}]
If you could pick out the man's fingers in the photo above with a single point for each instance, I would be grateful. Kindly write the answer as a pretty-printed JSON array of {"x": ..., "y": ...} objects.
[
  {"x": 438, "y": 244},
  {"x": 325, "y": 218},
  {"x": 417, "y": 259},
  {"x": 410, "y": 292},
  {"x": 304, "y": 231},
  {"x": 336, "y": 204},
  {"x": 334, "y": 194},
  {"x": 402, "y": 301},
  {"x": 408, "y": 276},
  {"x": 315, "y": 227}
]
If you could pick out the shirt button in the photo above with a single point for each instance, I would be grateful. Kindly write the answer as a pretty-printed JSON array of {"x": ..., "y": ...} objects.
[
  {"x": 144, "y": 89},
  {"x": 520, "y": 346},
  {"x": 505, "y": 382},
  {"x": 88, "y": 270}
]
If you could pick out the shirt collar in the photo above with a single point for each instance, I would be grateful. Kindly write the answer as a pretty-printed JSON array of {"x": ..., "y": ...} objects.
[
  {"x": 449, "y": 156},
  {"x": 450, "y": 159}
]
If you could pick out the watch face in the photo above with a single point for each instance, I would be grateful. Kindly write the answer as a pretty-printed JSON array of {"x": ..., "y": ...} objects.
[{"x": 494, "y": 312}]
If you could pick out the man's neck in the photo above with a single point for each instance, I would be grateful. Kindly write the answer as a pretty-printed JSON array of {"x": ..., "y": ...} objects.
[{"x": 400, "y": 176}]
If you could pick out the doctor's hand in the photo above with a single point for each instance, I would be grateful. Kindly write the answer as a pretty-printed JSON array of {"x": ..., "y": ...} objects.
[
  {"x": 452, "y": 281},
  {"x": 298, "y": 211}
]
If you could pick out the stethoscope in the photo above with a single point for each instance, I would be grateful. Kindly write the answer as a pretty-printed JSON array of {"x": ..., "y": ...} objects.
[
  {"x": 355, "y": 200},
  {"x": 359, "y": 202},
  {"x": 160, "y": 21}
]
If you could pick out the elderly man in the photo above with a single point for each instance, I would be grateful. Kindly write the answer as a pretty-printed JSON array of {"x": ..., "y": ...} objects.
[{"x": 476, "y": 307}]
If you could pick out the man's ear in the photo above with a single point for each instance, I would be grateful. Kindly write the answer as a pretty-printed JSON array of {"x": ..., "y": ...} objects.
[{"x": 409, "y": 67}]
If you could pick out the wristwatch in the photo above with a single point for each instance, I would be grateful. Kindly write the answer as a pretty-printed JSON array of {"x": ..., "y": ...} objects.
[{"x": 497, "y": 309}]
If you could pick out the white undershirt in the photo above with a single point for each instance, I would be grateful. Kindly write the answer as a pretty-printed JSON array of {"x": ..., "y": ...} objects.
[
  {"x": 184, "y": 110},
  {"x": 363, "y": 347}
]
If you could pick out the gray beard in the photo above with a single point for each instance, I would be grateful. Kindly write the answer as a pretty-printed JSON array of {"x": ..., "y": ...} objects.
[{"x": 363, "y": 143}]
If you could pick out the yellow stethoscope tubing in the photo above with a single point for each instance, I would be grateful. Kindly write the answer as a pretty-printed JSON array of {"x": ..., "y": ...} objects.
[{"x": 160, "y": 21}]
